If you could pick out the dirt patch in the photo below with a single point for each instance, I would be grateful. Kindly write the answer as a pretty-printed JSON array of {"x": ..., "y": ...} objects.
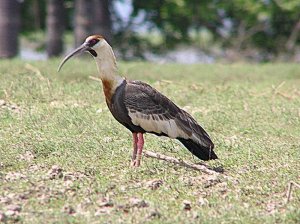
[
  {"x": 40, "y": 184},
  {"x": 9, "y": 106}
]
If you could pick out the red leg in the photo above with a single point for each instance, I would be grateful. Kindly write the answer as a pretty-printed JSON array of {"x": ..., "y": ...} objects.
[
  {"x": 135, "y": 147},
  {"x": 140, "y": 145}
]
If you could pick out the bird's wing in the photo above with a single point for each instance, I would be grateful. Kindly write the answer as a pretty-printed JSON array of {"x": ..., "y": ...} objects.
[{"x": 154, "y": 112}]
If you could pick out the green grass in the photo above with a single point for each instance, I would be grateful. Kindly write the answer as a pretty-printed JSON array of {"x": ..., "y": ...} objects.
[{"x": 252, "y": 113}]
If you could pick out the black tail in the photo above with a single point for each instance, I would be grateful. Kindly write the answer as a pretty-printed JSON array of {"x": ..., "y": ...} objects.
[{"x": 198, "y": 150}]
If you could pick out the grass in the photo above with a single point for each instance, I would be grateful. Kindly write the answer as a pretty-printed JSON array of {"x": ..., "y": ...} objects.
[{"x": 64, "y": 159}]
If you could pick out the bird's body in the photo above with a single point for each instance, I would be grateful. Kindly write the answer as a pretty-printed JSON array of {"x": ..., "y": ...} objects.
[{"x": 142, "y": 109}]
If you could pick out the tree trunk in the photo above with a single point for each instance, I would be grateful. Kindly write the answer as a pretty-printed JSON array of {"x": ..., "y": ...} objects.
[
  {"x": 36, "y": 15},
  {"x": 9, "y": 28},
  {"x": 55, "y": 27},
  {"x": 102, "y": 19},
  {"x": 83, "y": 20}
]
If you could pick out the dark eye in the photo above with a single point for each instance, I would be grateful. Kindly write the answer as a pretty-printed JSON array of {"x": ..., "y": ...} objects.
[{"x": 93, "y": 42}]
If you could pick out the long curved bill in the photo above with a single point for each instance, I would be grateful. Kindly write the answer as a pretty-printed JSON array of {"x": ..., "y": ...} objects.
[{"x": 78, "y": 50}]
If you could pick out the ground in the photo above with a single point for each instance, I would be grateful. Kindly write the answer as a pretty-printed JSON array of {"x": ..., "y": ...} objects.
[{"x": 63, "y": 157}]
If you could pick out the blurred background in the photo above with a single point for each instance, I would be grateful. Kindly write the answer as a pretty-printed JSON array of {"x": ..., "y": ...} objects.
[{"x": 183, "y": 31}]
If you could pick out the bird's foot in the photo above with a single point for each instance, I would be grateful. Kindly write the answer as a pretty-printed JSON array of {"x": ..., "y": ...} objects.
[
  {"x": 132, "y": 164},
  {"x": 135, "y": 163}
]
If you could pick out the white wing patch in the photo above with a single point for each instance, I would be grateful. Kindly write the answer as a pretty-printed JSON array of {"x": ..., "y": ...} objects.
[{"x": 152, "y": 123}]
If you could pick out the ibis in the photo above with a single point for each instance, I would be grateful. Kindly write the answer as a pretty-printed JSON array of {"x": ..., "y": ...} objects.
[{"x": 141, "y": 108}]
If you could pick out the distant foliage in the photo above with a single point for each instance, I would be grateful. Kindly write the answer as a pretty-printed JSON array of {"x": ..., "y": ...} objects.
[{"x": 272, "y": 25}]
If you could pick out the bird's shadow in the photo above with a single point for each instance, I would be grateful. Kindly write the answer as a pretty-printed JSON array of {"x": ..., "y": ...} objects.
[{"x": 217, "y": 168}]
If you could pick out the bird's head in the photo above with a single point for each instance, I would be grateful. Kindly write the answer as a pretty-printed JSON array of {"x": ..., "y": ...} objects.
[{"x": 92, "y": 44}]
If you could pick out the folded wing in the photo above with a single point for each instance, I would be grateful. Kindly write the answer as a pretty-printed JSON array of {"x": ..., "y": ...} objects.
[{"x": 156, "y": 114}]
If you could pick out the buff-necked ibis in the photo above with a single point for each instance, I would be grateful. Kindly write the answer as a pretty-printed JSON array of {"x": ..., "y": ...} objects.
[{"x": 141, "y": 108}]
